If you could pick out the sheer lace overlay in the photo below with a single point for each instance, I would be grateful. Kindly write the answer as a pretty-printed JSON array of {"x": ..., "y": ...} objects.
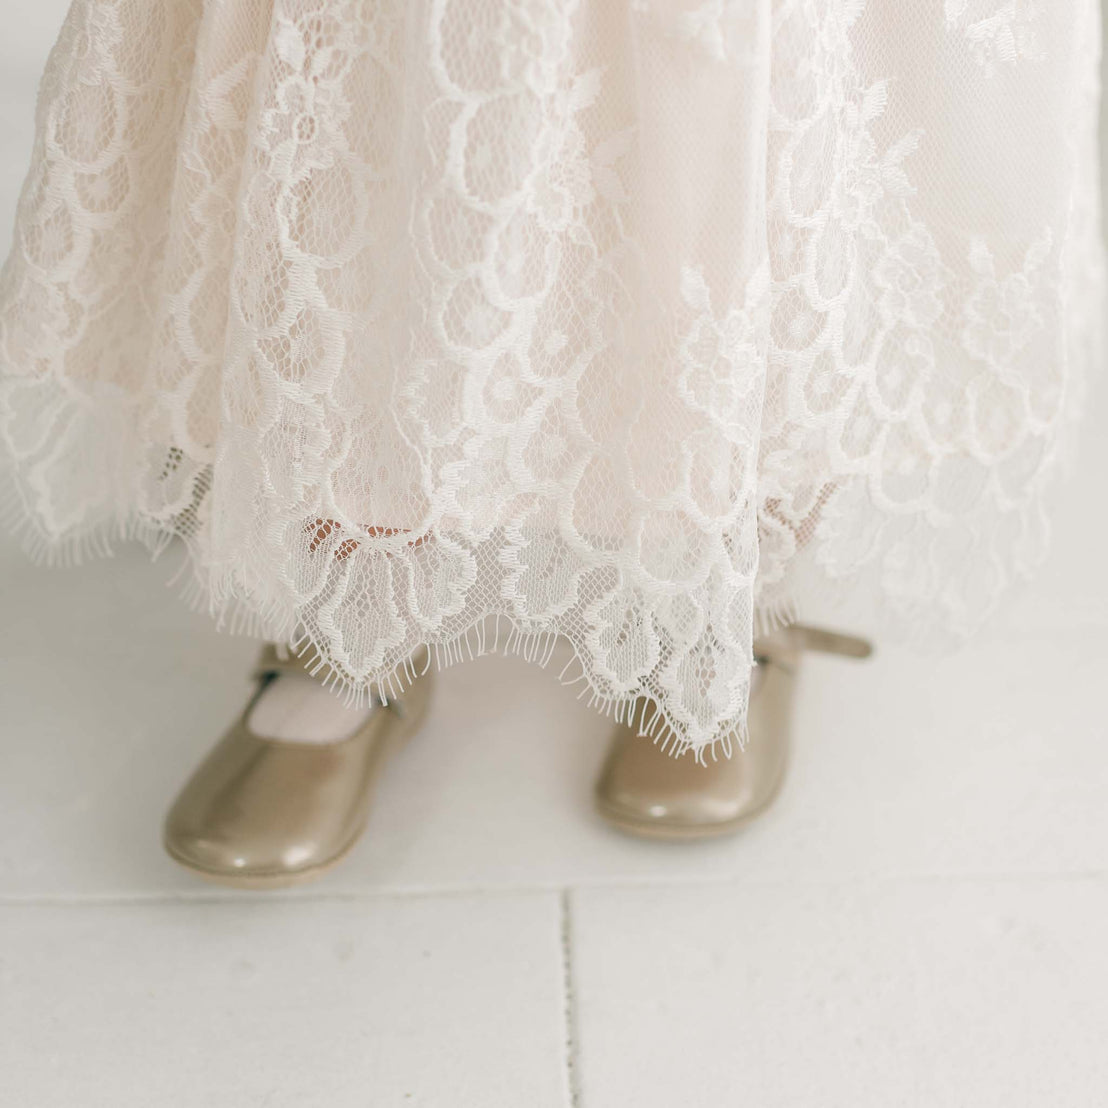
[{"x": 625, "y": 320}]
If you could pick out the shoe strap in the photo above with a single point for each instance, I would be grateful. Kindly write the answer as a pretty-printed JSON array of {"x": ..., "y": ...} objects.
[
  {"x": 782, "y": 647},
  {"x": 823, "y": 641},
  {"x": 274, "y": 660}
]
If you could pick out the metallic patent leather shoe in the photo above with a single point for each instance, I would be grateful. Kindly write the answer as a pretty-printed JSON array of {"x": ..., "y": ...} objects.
[
  {"x": 647, "y": 792},
  {"x": 262, "y": 813}
]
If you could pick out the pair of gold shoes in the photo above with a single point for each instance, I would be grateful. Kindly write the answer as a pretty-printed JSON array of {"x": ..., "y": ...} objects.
[{"x": 264, "y": 813}]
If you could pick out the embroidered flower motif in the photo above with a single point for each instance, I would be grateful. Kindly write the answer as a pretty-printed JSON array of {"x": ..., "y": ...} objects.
[
  {"x": 997, "y": 33},
  {"x": 565, "y": 186},
  {"x": 529, "y": 41},
  {"x": 910, "y": 277},
  {"x": 722, "y": 358},
  {"x": 866, "y": 176},
  {"x": 297, "y": 136},
  {"x": 1002, "y": 316},
  {"x": 305, "y": 127}
]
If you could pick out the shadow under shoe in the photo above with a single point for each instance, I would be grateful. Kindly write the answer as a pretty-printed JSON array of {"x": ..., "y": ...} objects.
[
  {"x": 647, "y": 792},
  {"x": 263, "y": 813}
]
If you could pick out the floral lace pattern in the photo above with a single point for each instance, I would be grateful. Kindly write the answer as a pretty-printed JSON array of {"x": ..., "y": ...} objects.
[
  {"x": 998, "y": 32},
  {"x": 637, "y": 322}
]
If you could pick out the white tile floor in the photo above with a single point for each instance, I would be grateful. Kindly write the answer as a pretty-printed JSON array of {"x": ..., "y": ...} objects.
[{"x": 920, "y": 921}]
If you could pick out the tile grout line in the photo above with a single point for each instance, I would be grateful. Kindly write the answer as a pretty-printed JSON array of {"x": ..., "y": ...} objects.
[
  {"x": 571, "y": 1052},
  {"x": 168, "y": 897}
]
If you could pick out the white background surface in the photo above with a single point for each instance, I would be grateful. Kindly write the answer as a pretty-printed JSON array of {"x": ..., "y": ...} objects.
[{"x": 920, "y": 921}]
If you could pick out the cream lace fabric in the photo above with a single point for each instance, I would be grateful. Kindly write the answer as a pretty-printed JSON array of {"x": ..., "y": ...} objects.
[{"x": 633, "y": 321}]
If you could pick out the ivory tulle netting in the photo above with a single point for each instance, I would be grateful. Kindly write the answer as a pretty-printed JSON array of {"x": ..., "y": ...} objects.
[{"x": 633, "y": 321}]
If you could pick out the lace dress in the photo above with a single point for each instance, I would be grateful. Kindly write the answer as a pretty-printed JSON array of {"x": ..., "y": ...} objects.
[{"x": 480, "y": 322}]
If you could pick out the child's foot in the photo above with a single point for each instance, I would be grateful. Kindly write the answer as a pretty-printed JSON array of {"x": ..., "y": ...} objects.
[
  {"x": 286, "y": 792},
  {"x": 645, "y": 791}
]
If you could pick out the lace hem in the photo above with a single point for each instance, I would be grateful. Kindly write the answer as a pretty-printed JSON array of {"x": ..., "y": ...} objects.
[{"x": 635, "y": 323}]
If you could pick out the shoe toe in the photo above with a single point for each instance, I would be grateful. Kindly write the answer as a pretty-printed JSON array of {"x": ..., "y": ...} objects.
[
  {"x": 672, "y": 807},
  {"x": 258, "y": 814},
  {"x": 645, "y": 790},
  {"x": 225, "y": 849}
]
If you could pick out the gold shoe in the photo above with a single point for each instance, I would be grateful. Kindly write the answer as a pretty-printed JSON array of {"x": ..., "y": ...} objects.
[
  {"x": 262, "y": 813},
  {"x": 645, "y": 791}
]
